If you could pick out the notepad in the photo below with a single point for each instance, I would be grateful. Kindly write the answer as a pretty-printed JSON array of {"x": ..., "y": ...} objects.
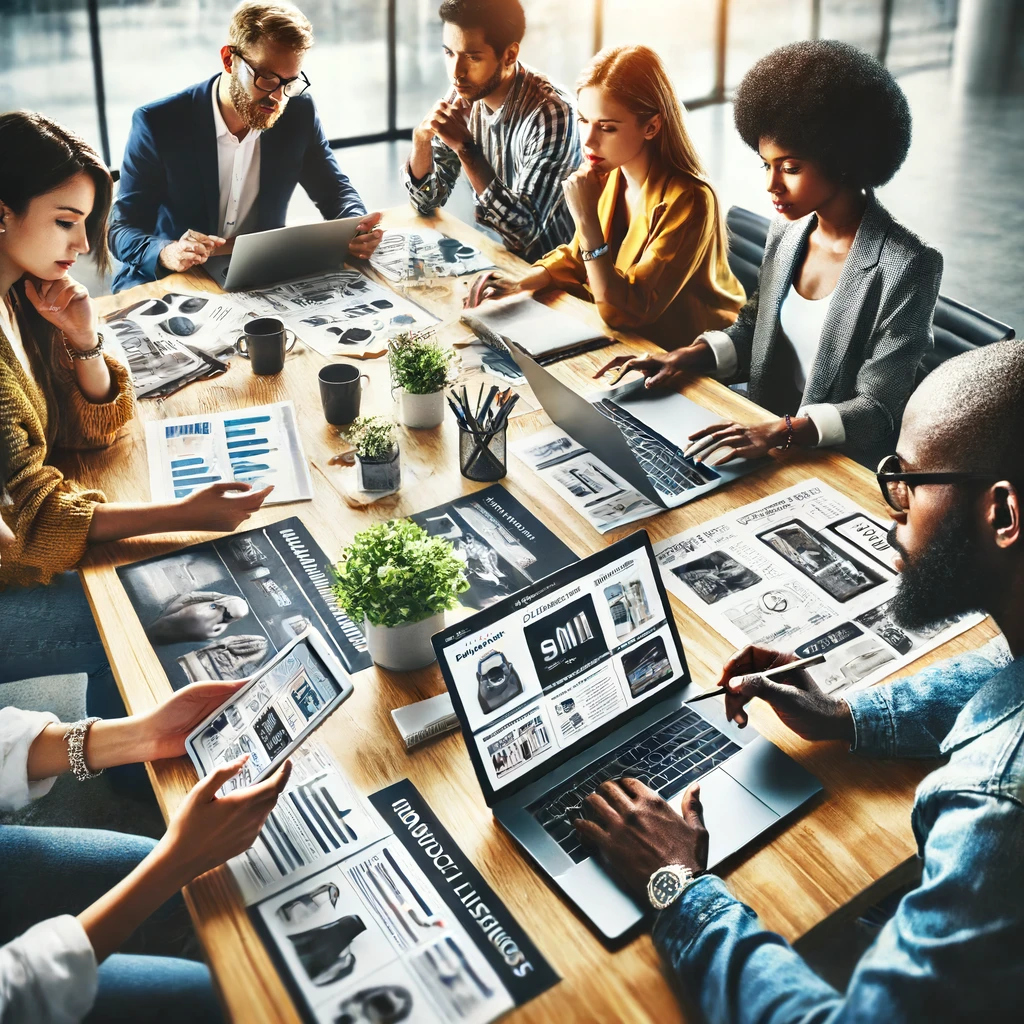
[
  {"x": 541, "y": 331},
  {"x": 417, "y": 723}
]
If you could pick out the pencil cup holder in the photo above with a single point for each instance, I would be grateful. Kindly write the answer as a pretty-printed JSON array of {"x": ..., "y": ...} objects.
[{"x": 482, "y": 454}]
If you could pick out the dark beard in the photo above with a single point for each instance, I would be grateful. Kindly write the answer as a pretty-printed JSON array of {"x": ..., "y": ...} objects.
[
  {"x": 488, "y": 87},
  {"x": 942, "y": 582},
  {"x": 248, "y": 109}
]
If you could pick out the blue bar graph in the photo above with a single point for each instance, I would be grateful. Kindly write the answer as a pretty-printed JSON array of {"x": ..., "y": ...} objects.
[
  {"x": 176, "y": 463},
  {"x": 231, "y": 424},
  {"x": 241, "y": 432},
  {"x": 246, "y": 443}
]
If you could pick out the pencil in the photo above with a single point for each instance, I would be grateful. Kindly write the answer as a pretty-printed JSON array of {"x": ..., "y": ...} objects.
[{"x": 771, "y": 673}]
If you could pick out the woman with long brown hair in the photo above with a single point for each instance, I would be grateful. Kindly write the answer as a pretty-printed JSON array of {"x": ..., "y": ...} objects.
[
  {"x": 650, "y": 247},
  {"x": 59, "y": 388}
]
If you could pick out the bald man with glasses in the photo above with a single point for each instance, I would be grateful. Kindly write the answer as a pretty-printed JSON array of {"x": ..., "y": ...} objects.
[
  {"x": 951, "y": 952},
  {"x": 223, "y": 157}
]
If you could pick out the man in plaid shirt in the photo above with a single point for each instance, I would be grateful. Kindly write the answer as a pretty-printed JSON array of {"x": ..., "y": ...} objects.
[{"x": 510, "y": 129}]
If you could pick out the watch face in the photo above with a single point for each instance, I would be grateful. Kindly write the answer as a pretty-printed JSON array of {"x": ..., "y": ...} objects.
[{"x": 665, "y": 886}]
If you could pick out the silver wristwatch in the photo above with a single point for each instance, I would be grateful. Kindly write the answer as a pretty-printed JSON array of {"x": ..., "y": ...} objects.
[{"x": 667, "y": 884}]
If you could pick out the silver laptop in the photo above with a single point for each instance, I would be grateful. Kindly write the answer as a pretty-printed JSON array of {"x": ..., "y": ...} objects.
[
  {"x": 638, "y": 433},
  {"x": 264, "y": 258},
  {"x": 580, "y": 678}
]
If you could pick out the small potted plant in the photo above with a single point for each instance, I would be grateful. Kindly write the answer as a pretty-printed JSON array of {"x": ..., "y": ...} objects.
[
  {"x": 377, "y": 453},
  {"x": 398, "y": 581},
  {"x": 421, "y": 368}
]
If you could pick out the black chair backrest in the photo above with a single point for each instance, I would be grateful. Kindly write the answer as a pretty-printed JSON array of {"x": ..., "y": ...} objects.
[{"x": 957, "y": 327}]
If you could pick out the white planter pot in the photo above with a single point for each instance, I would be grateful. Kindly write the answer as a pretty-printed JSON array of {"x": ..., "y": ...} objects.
[
  {"x": 404, "y": 647},
  {"x": 421, "y": 411}
]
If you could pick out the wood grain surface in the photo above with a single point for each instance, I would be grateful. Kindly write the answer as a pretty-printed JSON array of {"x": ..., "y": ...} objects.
[{"x": 854, "y": 836}]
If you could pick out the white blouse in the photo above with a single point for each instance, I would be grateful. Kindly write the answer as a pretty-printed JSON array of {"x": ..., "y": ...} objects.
[
  {"x": 48, "y": 975},
  {"x": 802, "y": 320}
]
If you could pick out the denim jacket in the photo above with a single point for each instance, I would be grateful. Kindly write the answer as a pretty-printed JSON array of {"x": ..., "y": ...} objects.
[{"x": 954, "y": 951}]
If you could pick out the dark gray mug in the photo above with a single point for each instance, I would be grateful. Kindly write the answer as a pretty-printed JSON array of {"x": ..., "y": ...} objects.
[
  {"x": 341, "y": 390},
  {"x": 264, "y": 344}
]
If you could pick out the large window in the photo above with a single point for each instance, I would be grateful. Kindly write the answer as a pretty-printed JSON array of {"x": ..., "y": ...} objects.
[{"x": 377, "y": 66}]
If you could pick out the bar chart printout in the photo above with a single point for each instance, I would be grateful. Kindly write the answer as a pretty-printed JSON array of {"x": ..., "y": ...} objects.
[{"x": 258, "y": 446}]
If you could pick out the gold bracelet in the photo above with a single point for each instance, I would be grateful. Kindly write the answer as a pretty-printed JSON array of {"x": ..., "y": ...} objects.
[{"x": 75, "y": 356}]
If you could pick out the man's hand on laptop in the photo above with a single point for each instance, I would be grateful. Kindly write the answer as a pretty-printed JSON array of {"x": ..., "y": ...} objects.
[
  {"x": 191, "y": 250},
  {"x": 635, "y": 832},
  {"x": 796, "y": 698},
  {"x": 367, "y": 237}
]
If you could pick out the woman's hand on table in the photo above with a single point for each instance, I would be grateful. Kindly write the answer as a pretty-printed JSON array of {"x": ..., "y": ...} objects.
[
  {"x": 366, "y": 238},
  {"x": 218, "y": 508},
  {"x": 501, "y": 283}
]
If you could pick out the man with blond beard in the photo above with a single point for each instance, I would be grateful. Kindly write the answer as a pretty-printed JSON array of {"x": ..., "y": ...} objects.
[{"x": 223, "y": 157}]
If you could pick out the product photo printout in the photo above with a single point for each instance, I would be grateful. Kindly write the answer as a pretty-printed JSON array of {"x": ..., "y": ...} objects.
[
  {"x": 409, "y": 255},
  {"x": 259, "y": 446},
  {"x": 223, "y": 608},
  {"x": 599, "y": 494},
  {"x": 804, "y": 570},
  {"x": 396, "y": 924}
]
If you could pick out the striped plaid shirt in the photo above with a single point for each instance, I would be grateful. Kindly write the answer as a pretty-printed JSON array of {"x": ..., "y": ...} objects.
[{"x": 533, "y": 145}]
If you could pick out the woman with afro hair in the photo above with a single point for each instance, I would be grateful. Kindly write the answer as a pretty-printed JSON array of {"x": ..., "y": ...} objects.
[{"x": 831, "y": 340}]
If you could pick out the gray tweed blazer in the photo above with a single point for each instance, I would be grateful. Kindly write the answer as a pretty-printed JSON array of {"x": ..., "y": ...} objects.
[{"x": 879, "y": 325}]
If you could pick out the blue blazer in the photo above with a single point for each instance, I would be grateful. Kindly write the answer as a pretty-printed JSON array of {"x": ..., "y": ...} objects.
[{"x": 170, "y": 181}]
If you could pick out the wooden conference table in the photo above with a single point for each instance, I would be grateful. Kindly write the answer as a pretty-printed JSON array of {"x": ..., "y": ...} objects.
[{"x": 839, "y": 854}]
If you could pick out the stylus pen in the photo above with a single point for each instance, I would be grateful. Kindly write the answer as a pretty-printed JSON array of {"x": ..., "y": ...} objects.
[{"x": 771, "y": 673}]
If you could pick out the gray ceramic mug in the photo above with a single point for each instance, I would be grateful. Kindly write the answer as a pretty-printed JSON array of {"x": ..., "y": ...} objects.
[{"x": 264, "y": 343}]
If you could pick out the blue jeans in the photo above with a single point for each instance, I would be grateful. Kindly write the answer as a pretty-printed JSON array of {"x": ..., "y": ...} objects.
[
  {"x": 50, "y": 631},
  {"x": 46, "y": 872}
]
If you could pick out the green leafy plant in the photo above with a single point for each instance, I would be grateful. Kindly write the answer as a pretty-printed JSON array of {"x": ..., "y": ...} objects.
[
  {"x": 419, "y": 364},
  {"x": 395, "y": 572},
  {"x": 372, "y": 436}
]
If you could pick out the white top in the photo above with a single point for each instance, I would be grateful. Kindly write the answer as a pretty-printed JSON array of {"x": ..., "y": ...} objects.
[
  {"x": 48, "y": 975},
  {"x": 9, "y": 326},
  {"x": 238, "y": 167},
  {"x": 825, "y": 416},
  {"x": 802, "y": 320}
]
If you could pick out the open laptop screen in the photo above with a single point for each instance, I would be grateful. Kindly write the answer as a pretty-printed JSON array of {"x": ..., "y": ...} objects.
[{"x": 561, "y": 663}]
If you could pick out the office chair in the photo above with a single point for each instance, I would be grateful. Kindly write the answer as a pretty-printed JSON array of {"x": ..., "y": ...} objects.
[{"x": 957, "y": 327}]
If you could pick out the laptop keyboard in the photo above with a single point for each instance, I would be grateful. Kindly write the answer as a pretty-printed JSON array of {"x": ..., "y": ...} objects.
[
  {"x": 667, "y": 756},
  {"x": 666, "y": 467}
]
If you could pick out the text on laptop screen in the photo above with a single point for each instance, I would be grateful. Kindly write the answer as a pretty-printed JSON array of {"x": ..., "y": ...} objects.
[{"x": 562, "y": 664}]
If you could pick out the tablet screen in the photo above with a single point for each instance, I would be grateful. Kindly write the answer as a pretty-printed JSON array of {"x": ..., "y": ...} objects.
[{"x": 266, "y": 718}]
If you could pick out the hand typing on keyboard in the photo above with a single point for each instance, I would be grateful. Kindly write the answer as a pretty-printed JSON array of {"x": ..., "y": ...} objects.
[{"x": 635, "y": 832}]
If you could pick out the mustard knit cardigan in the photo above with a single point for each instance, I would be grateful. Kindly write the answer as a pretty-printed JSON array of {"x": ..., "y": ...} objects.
[{"x": 49, "y": 514}]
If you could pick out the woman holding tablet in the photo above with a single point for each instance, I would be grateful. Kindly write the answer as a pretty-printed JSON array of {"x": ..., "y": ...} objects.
[
  {"x": 832, "y": 339},
  {"x": 650, "y": 247},
  {"x": 69, "y": 898}
]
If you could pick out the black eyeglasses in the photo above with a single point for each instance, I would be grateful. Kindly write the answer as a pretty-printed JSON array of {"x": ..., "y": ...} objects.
[
  {"x": 897, "y": 485},
  {"x": 291, "y": 87}
]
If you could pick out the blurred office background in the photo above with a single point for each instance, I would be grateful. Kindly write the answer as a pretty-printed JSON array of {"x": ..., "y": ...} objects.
[{"x": 377, "y": 68}]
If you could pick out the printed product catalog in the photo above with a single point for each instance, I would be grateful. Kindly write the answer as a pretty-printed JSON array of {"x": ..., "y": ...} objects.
[{"x": 803, "y": 570}]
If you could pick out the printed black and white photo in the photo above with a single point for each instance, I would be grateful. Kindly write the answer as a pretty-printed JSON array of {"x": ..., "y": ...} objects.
[
  {"x": 716, "y": 575},
  {"x": 834, "y": 571}
]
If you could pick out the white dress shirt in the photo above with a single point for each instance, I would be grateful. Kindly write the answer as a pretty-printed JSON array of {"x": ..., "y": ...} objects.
[
  {"x": 238, "y": 170},
  {"x": 48, "y": 975}
]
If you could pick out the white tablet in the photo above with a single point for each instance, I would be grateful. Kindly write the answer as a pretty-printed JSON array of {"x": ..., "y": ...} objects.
[{"x": 273, "y": 713}]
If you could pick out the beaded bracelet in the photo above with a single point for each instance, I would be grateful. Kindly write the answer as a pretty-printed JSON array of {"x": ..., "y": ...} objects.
[
  {"x": 74, "y": 736},
  {"x": 75, "y": 356},
  {"x": 789, "y": 435}
]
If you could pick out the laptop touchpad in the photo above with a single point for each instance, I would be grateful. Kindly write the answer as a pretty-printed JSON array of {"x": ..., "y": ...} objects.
[{"x": 732, "y": 814}]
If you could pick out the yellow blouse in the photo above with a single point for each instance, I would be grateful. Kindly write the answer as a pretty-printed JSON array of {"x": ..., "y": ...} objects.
[
  {"x": 679, "y": 279},
  {"x": 49, "y": 514}
]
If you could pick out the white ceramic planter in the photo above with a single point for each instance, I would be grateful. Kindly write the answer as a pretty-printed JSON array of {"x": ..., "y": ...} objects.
[
  {"x": 421, "y": 411},
  {"x": 405, "y": 647}
]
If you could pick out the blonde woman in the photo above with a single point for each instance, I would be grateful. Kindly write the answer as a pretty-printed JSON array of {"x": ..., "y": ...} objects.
[{"x": 650, "y": 247}]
